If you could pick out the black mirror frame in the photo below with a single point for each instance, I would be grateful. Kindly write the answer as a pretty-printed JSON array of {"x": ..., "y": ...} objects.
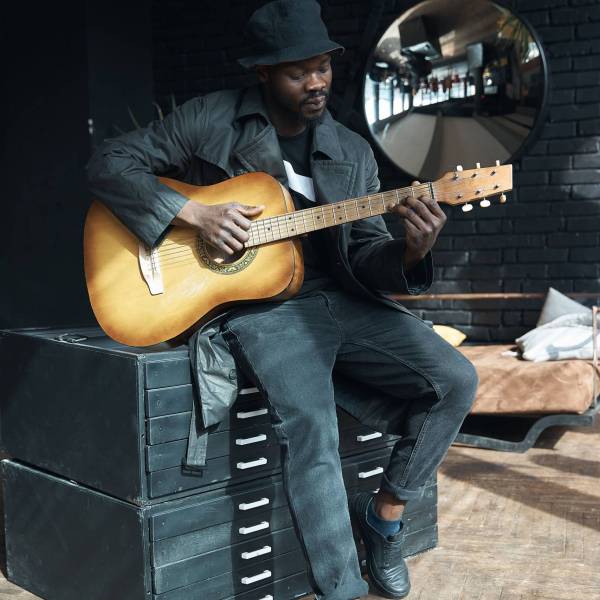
[{"x": 540, "y": 117}]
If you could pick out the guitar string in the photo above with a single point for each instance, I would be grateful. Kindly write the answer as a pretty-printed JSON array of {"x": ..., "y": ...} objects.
[
  {"x": 262, "y": 223},
  {"x": 382, "y": 197},
  {"x": 298, "y": 217},
  {"x": 187, "y": 254}
]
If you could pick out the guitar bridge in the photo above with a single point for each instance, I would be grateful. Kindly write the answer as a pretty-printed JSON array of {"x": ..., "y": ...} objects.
[{"x": 150, "y": 269}]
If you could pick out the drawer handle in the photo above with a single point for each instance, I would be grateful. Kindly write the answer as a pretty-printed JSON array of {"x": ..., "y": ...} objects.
[
  {"x": 264, "y": 575},
  {"x": 369, "y": 436},
  {"x": 375, "y": 471},
  {"x": 250, "y": 390},
  {"x": 253, "y": 528},
  {"x": 253, "y": 463},
  {"x": 252, "y": 413},
  {"x": 255, "y": 553},
  {"x": 249, "y": 505},
  {"x": 252, "y": 440}
]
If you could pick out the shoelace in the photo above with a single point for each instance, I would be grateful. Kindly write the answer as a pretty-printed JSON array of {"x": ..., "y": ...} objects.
[
  {"x": 389, "y": 551},
  {"x": 386, "y": 557}
]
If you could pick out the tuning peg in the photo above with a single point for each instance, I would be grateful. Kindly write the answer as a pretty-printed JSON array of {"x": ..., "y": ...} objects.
[
  {"x": 497, "y": 163},
  {"x": 467, "y": 207},
  {"x": 502, "y": 198},
  {"x": 485, "y": 203},
  {"x": 478, "y": 165},
  {"x": 459, "y": 167}
]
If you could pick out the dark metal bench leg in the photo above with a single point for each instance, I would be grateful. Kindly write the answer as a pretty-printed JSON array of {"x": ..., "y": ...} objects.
[{"x": 491, "y": 443}]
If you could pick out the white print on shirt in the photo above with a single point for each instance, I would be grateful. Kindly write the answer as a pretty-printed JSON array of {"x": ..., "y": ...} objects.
[{"x": 300, "y": 183}]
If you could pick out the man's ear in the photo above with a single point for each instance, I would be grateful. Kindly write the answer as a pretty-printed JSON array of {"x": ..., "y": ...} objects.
[{"x": 263, "y": 73}]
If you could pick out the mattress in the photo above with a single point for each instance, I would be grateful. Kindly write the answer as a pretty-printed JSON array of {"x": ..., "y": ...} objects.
[{"x": 509, "y": 385}]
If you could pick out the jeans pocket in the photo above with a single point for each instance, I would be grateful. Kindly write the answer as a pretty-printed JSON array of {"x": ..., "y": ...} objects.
[{"x": 245, "y": 315}]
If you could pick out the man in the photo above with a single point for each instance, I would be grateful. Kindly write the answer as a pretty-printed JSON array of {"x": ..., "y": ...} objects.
[{"x": 339, "y": 324}]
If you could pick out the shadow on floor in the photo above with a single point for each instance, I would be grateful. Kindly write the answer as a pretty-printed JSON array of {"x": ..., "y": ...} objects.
[
  {"x": 543, "y": 495},
  {"x": 569, "y": 464}
]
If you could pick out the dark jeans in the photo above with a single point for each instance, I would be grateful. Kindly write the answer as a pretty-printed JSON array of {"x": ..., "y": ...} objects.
[{"x": 290, "y": 350}]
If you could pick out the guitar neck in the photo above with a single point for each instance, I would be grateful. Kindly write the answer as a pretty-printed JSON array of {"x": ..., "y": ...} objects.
[{"x": 300, "y": 222}]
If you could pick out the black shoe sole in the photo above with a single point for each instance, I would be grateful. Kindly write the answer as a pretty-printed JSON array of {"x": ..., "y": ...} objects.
[{"x": 380, "y": 591}]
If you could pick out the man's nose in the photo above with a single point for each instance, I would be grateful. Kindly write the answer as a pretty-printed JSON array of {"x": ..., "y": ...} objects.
[{"x": 316, "y": 83}]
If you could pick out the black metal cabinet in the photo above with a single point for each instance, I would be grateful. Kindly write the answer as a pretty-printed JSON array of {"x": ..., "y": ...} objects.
[
  {"x": 116, "y": 418},
  {"x": 213, "y": 545},
  {"x": 95, "y": 488}
]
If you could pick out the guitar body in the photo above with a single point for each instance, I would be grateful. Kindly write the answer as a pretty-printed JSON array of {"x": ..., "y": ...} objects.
[{"x": 142, "y": 296}]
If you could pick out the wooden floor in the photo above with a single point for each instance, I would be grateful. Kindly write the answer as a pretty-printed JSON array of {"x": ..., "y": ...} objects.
[{"x": 512, "y": 526}]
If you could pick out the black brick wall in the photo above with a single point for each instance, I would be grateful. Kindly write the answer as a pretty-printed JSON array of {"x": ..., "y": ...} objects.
[{"x": 547, "y": 234}]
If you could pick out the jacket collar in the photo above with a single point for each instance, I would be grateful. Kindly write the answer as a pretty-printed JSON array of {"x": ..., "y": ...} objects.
[
  {"x": 325, "y": 138},
  {"x": 251, "y": 103}
]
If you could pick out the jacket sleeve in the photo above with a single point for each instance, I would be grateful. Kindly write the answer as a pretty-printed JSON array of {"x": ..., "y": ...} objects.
[
  {"x": 376, "y": 257},
  {"x": 122, "y": 172}
]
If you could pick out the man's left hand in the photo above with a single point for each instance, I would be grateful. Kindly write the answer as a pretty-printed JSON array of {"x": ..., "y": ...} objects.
[{"x": 423, "y": 220}]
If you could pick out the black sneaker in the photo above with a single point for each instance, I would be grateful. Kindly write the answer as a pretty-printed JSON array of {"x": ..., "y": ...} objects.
[{"x": 385, "y": 565}]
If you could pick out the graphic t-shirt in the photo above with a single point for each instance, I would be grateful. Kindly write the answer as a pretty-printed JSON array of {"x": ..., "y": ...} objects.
[{"x": 296, "y": 160}]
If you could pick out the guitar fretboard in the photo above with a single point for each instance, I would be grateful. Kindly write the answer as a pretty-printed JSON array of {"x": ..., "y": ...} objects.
[{"x": 299, "y": 222}]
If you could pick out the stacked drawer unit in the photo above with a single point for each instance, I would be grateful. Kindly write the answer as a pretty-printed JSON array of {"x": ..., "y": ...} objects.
[{"x": 96, "y": 486}]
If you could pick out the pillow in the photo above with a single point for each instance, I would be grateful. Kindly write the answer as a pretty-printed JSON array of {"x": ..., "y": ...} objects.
[
  {"x": 557, "y": 304},
  {"x": 567, "y": 336},
  {"x": 451, "y": 335}
]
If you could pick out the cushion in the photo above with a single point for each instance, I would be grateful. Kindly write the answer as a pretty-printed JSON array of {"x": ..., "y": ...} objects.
[
  {"x": 451, "y": 335},
  {"x": 569, "y": 336},
  {"x": 509, "y": 385},
  {"x": 557, "y": 305}
]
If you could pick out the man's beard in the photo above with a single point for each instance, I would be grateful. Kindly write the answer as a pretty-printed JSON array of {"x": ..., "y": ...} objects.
[{"x": 318, "y": 118}]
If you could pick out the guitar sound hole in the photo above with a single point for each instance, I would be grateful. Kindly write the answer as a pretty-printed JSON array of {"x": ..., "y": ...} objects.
[{"x": 222, "y": 258}]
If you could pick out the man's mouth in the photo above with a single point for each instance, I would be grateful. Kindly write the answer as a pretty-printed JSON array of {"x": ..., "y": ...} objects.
[{"x": 316, "y": 102}]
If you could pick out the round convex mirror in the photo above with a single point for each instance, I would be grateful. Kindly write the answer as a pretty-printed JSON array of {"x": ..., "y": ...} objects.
[{"x": 454, "y": 82}]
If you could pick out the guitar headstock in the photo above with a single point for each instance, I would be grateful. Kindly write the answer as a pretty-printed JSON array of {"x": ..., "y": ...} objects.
[{"x": 461, "y": 187}]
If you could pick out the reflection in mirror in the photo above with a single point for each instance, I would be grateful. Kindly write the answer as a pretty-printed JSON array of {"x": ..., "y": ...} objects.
[{"x": 453, "y": 82}]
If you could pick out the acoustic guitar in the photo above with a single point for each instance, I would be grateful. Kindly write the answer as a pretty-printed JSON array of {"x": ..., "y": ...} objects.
[{"x": 142, "y": 295}]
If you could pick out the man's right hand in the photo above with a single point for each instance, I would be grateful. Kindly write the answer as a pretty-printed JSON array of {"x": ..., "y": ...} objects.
[{"x": 225, "y": 226}]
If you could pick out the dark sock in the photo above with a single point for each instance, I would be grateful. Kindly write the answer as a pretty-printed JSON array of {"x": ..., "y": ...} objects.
[{"x": 384, "y": 527}]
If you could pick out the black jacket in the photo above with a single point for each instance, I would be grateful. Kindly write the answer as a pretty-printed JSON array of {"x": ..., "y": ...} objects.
[{"x": 227, "y": 133}]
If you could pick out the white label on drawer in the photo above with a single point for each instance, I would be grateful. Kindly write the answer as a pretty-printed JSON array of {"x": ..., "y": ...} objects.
[
  {"x": 250, "y": 390},
  {"x": 255, "y": 553},
  {"x": 249, "y": 505},
  {"x": 253, "y": 440},
  {"x": 375, "y": 471},
  {"x": 253, "y": 528},
  {"x": 253, "y": 463},
  {"x": 252, "y": 413},
  {"x": 369, "y": 436},
  {"x": 264, "y": 575}
]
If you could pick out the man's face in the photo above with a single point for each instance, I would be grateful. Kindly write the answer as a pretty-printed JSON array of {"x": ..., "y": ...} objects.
[{"x": 300, "y": 88}]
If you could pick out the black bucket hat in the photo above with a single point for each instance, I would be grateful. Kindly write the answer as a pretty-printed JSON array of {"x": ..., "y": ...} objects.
[{"x": 286, "y": 31}]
